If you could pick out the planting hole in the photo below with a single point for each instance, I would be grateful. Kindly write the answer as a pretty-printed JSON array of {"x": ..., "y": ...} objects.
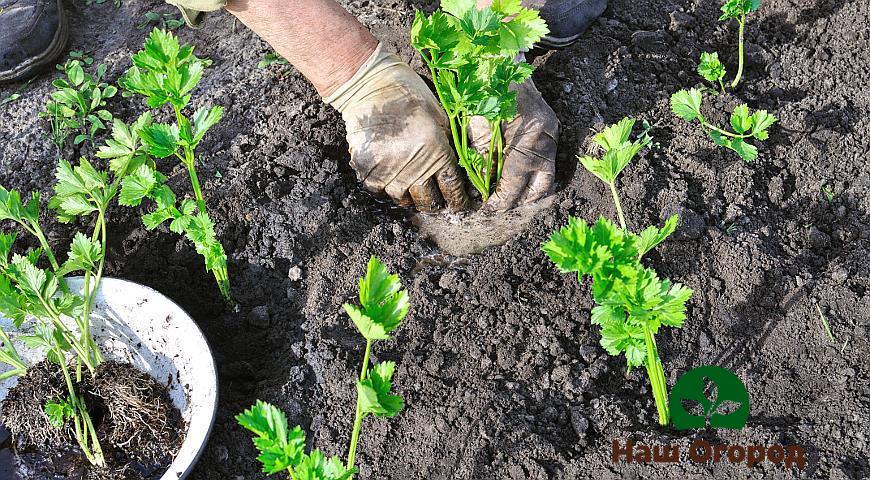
[{"x": 467, "y": 233}]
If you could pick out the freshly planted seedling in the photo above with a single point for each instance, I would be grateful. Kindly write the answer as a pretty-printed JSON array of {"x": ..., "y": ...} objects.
[
  {"x": 737, "y": 10},
  {"x": 383, "y": 305},
  {"x": 828, "y": 192},
  {"x": 712, "y": 69},
  {"x": 283, "y": 449},
  {"x": 77, "y": 104},
  {"x": 632, "y": 301},
  {"x": 16, "y": 94},
  {"x": 166, "y": 21},
  {"x": 686, "y": 104},
  {"x": 166, "y": 73},
  {"x": 618, "y": 152},
  {"x": 81, "y": 56},
  {"x": 472, "y": 55},
  {"x": 29, "y": 291},
  {"x": 272, "y": 58}
]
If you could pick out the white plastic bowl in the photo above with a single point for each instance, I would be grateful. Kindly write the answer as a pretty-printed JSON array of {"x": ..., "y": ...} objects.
[{"x": 135, "y": 324}]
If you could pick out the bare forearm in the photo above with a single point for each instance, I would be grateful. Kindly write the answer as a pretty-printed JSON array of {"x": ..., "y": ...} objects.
[{"x": 318, "y": 37}]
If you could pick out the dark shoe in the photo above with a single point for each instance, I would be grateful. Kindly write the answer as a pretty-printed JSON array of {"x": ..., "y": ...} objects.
[
  {"x": 567, "y": 19},
  {"x": 33, "y": 33}
]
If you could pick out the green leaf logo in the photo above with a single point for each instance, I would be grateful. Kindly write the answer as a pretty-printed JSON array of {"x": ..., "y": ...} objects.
[{"x": 709, "y": 395}]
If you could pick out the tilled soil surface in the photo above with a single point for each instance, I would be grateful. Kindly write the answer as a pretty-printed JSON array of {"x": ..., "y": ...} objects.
[{"x": 498, "y": 363}]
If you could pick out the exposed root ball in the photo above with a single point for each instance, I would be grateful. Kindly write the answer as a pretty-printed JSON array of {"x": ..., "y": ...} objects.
[
  {"x": 139, "y": 429},
  {"x": 138, "y": 418},
  {"x": 23, "y": 410}
]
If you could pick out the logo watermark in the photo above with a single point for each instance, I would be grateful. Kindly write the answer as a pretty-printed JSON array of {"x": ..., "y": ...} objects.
[{"x": 713, "y": 397}]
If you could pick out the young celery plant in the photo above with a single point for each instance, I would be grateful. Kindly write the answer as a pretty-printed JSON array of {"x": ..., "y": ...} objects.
[
  {"x": 383, "y": 305},
  {"x": 165, "y": 73},
  {"x": 686, "y": 104},
  {"x": 26, "y": 290},
  {"x": 737, "y": 10},
  {"x": 472, "y": 55},
  {"x": 632, "y": 302},
  {"x": 618, "y": 152},
  {"x": 283, "y": 450}
]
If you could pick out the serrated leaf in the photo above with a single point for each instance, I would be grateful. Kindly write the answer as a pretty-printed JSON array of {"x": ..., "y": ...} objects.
[
  {"x": 280, "y": 447},
  {"x": 317, "y": 467},
  {"x": 761, "y": 121},
  {"x": 653, "y": 236},
  {"x": 741, "y": 122},
  {"x": 521, "y": 32},
  {"x": 84, "y": 255},
  {"x": 686, "y": 104},
  {"x": 710, "y": 67},
  {"x": 203, "y": 120},
  {"x": 59, "y": 411},
  {"x": 137, "y": 186},
  {"x": 383, "y": 302},
  {"x": 746, "y": 151},
  {"x": 458, "y": 8},
  {"x": 160, "y": 139},
  {"x": 374, "y": 392}
]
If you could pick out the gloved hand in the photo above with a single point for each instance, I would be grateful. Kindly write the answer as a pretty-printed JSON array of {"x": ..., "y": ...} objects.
[
  {"x": 397, "y": 133},
  {"x": 194, "y": 11},
  {"x": 530, "y": 140}
]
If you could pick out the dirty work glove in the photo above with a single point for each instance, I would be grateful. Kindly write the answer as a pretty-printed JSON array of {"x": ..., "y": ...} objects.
[
  {"x": 194, "y": 11},
  {"x": 397, "y": 134},
  {"x": 530, "y": 142}
]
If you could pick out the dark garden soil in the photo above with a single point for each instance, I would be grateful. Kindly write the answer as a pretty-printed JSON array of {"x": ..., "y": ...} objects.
[
  {"x": 140, "y": 431},
  {"x": 499, "y": 365}
]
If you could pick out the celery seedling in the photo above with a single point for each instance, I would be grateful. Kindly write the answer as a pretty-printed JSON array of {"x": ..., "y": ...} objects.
[
  {"x": 28, "y": 291},
  {"x": 686, "y": 104},
  {"x": 737, "y": 10},
  {"x": 618, "y": 152},
  {"x": 471, "y": 53},
  {"x": 632, "y": 302},
  {"x": 165, "y": 73},
  {"x": 283, "y": 449},
  {"x": 383, "y": 305},
  {"x": 712, "y": 69}
]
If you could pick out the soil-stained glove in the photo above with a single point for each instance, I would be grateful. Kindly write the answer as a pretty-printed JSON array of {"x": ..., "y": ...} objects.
[
  {"x": 397, "y": 135},
  {"x": 530, "y": 140},
  {"x": 194, "y": 11}
]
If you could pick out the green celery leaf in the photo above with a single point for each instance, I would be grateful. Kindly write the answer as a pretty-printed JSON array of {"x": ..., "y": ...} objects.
[
  {"x": 137, "y": 186},
  {"x": 84, "y": 255},
  {"x": 740, "y": 119},
  {"x": 458, "y": 8},
  {"x": 374, "y": 392},
  {"x": 573, "y": 249},
  {"x": 711, "y": 67},
  {"x": 59, "y": 411},
  {"x": 521, "y": 32},
  {"x": 652, "y": 236},
  {"x": 686, "y": 104},
  {"x": 761, "y": 121},
  {"x": 383, "y": 302},
  {"x": 317, "y": 467},
  {"x": 280, "y": 448},
  {"x": 161, "y": 139},
  {"x": 204, "y": 119}
]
